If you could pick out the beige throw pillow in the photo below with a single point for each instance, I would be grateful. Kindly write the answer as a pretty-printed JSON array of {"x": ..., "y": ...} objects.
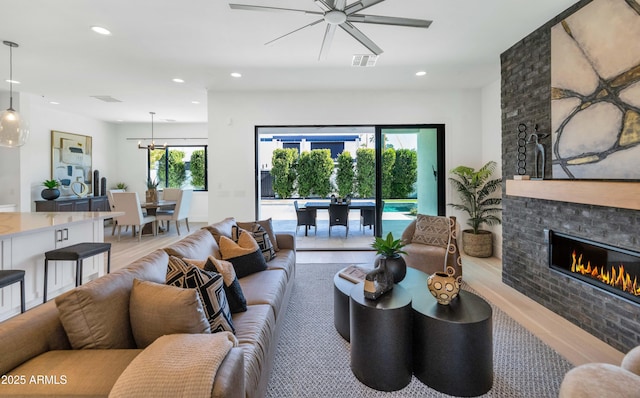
[
  {"x": 432, "y": 230},
  {"x": 157, "y": 310}
]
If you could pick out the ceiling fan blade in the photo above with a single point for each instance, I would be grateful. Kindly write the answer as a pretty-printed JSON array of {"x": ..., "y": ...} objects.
[
  {"x": 271, "y": 9},
  {"x": 340, "y": 4},
  {"x": 294, "y": 31},
  {"x": 377, "y": 19},
  {"x": 325, "y": 5},
  {"x": 364, "y": 40},
  {"x": 360, "y": 5},
  {"x": 326, "y": 42}
]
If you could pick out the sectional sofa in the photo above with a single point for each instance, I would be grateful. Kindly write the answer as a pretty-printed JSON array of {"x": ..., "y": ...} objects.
[{"x": 38, "y": 356}]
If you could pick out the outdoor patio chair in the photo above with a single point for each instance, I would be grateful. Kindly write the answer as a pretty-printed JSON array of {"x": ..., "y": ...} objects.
[
  {"x": 306, "y": 218},
  {"x": 339, "y": 215}
]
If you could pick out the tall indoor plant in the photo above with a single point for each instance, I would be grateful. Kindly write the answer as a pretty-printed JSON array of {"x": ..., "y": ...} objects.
[{"x": 475, "y": 188}]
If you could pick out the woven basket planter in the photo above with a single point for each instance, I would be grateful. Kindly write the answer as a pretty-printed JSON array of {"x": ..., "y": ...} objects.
[{"x": 477, "y": 245}]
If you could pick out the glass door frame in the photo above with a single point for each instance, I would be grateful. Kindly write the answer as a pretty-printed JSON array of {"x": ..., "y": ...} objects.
[{"x": 441, "y": 172}]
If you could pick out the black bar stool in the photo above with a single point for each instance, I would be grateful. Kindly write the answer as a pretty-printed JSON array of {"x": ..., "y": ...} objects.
[
  {"x": 11, "y": 276},
  {"x": 77, "y": 253}
]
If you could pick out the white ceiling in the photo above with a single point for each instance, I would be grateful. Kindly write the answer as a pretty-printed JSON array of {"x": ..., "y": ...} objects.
[{"x": 202, "y": 41}]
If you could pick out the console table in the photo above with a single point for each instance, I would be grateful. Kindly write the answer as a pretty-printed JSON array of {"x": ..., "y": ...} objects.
[{"x": 89, "y": 203}]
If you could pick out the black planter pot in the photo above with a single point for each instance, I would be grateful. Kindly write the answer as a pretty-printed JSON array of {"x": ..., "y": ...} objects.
[
  {"x": 50, "y": 194},
  {"x": 396, "y": 265}
]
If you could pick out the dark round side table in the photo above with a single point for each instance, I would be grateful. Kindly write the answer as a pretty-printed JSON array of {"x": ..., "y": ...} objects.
[
  {"x": 453, "y": 344},
  {"x": 381, "y": 338}
]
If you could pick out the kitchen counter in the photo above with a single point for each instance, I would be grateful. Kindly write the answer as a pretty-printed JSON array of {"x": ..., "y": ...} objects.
[{"x": 15, "y": 224}]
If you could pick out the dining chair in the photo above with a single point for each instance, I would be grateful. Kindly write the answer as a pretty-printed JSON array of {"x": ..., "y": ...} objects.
[
  {"x": 339, "y": 215},
  {"x": 180, "y": 212},
  {"x": 129, "y": 203},
  {"x": 112, "y": 206},
  {"x": 306, "y": 218}
]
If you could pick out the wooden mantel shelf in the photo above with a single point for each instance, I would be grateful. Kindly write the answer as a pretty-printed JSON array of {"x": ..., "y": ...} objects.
[{"x": 624, "y": 195}]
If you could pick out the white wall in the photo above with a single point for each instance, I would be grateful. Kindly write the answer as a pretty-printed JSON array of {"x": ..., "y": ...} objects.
[
  {"x": 234, "y": 115},
  {"x": 31, "y": 163},
  {"x": 492, "y": 143},
  {"x": 131, "y": 164}
]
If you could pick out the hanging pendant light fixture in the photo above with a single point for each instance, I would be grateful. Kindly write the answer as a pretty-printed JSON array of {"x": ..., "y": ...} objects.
[
  {"x": 153, "y": 145},
  {"x": 12, "y": 131}
]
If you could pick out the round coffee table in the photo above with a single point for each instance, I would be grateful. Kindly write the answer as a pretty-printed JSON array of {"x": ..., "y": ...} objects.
[{"x": 381, "y": 337}]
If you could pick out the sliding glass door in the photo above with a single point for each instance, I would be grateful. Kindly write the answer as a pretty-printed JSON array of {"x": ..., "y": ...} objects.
[{"x": 410, "y": 175}]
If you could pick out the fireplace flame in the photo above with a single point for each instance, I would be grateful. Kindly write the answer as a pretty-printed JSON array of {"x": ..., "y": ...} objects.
[{"x": 617, "y": 277}]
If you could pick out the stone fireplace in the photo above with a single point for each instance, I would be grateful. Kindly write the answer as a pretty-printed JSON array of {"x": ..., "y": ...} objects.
[{"x": 610, "y": 217}]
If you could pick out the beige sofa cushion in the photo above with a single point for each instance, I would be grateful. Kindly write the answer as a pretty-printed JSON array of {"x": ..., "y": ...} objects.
[
  {"x": 96, "y": 314},
  {"x": 157, "y": 310},
  {"x": 88, "y": 373},
  {"x": 199, "y": 244},
  {"x": 222, "y": 228}
]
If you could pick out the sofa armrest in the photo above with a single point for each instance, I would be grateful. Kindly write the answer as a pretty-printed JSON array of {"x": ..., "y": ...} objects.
[
  {"x": 599, "y": 380},
  {"x": 229, "y": 380},
  {"x": 286, "y": 241},
  {"x": 631, "y": 361}
]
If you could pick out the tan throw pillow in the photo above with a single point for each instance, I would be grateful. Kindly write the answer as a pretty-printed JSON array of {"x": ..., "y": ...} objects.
[
  {"x": 432, "y": 230},
  {"x": 156, "y": 310},
  {"x": 232, "y": 288},
  {"x": 245, "y": 255},
  {"x": 267, "y": 225}
]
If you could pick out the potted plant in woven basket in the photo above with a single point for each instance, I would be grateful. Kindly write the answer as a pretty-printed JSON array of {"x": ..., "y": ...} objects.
[
  {"x": 151, "y": 195},
  {"x": 475, "y": 188}
]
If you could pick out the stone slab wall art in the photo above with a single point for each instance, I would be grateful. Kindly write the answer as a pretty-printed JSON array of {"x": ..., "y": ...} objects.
[{"x": 595, "y": 92}]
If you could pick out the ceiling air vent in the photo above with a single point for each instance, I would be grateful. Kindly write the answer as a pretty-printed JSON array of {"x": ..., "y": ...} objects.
[
  {"x": 105, "y": 98},
  {"x": 364, "y": 60}
]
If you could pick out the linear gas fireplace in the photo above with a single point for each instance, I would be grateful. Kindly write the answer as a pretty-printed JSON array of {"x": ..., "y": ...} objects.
[{"x": 607, "y": 267}]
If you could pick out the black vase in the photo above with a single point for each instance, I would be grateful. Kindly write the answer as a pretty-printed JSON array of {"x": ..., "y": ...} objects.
[
  {"x": 396, "y": 265},
  {"x": 50, "y": 194}
]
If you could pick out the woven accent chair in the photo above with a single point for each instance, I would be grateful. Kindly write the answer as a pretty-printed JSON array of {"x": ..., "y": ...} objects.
[{"x": 306, "y": 218}]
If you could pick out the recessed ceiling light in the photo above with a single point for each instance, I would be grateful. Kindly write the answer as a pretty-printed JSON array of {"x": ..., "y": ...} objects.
[
  {"x": 100, "y": 30},
  {"x": 421, "y": 73},
  {"x": 195, "y": 102},
  {"x": 12, "y": 81},
  {"x": 178, "y": 80},
  {"x": 54, "y": 103},
  {"x": 236, "y": 74}
]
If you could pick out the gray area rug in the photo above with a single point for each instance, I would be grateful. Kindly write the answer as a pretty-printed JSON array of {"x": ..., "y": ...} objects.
[{"x": 312, "y": 359}]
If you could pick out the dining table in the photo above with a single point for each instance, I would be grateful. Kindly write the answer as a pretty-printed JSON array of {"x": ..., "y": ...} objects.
[
  {"x": 152, "y": 210},
  {"x": 353, "y": 205}
]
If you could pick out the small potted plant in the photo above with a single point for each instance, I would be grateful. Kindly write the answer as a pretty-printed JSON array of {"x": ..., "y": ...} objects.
[
  {"x": 475, "y": 188},
  {"x": 121, "y": 185},
  {"x": 390, "y": 250},
  {"x": 51, "y": 190},
  {"x": 152, "y": 190}
]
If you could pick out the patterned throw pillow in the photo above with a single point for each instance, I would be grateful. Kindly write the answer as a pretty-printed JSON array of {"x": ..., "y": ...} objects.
[
  {"x": 210, "y": 286},
  {"x": 267, "y": 225},
  {"x": 432, "y": 230},
  {"x": 245, "y": 255},
  {"x": 260, "y": 235},
  {"x": 232, "y": 288}
]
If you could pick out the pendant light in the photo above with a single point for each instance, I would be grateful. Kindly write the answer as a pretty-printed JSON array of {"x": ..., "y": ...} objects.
[
  {"x": 12, "y": 132},
  {"x": 153, "y": 145}
]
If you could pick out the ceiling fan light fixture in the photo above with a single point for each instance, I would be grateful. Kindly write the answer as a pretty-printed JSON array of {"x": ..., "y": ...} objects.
[{"x": 13, "y": 132}]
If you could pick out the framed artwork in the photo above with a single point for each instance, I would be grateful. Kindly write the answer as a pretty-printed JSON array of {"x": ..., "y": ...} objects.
[
  {"x": 595, "y": 92},
  {"x": 71, "y": 162}
]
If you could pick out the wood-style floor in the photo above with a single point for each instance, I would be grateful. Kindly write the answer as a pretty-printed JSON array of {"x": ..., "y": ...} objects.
[{"x": 484, "y": 275}]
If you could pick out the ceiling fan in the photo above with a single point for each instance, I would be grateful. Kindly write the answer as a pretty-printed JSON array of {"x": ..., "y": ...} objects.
[{"x": 337, "y": 13}]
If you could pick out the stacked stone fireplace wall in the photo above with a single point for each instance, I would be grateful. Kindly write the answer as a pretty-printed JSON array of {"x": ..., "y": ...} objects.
[{"x": 526, "y": 78}]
